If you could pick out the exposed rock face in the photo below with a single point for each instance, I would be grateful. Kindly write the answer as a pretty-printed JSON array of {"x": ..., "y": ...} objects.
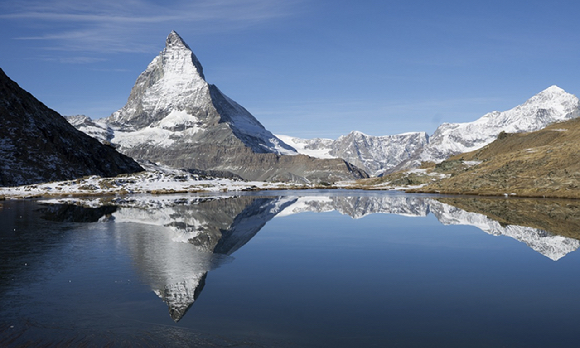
[
  {"x": 39, "y": 145},
  {"x": 174, "y": 117},
  {"x": 374, "y": 154},
  {"x": 385, "y": 154}
]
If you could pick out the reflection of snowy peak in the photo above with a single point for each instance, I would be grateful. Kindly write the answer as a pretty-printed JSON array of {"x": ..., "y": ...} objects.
[
  {"x": 217, "y": 225},
  {"x": 548, "y": 244},
  {"x": 552, "y": 246},
  {"x": 174, "y": 241},
  {"x": 358, "y": 207},
  {"x": 177, "y": 272},
  {"x": 181, "y": 295}
]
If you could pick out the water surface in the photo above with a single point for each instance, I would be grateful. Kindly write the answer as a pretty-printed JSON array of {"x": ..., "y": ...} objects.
[{"x": 290, "y": 269}]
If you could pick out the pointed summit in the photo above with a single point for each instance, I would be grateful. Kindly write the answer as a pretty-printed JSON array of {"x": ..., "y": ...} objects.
[
  {"x": 173, "y": 80},
  {"x": 554, "y": 89},
  {"x": 555, "y": 100},
  {"x": 173, "y": 116},
  {"x": 177, "y": 49},
  {"x": 173, "y": 39}
]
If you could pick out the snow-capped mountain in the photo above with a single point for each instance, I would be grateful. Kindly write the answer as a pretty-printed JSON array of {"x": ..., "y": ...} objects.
[
  {"x": 384, "y": 154},
  {"x": 38, "y": 145},
  {"x": 551, "y": 105},
  {"x": 174, "y": 117},
  {"x": 172, "y": 96},
  {"x": 375, "y": 154}
]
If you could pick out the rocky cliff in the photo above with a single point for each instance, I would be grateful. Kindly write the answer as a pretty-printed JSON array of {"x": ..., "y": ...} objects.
[{"x": 39, "y": 145}]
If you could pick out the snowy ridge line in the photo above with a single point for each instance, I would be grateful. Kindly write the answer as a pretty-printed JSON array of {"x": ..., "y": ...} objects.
[{"x": 384, "y": 154}]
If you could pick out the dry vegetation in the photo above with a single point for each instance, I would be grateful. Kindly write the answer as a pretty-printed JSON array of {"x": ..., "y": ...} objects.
[{"x": 544, "y": 163}]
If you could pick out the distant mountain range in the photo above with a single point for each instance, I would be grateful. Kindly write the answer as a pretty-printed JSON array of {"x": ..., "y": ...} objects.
[
  {"x": 385, "y": 154},
  {"x": 38, "y": 145},
  {"x": 375, "y": 154}
]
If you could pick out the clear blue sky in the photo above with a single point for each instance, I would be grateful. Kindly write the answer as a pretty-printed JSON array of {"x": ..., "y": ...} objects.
[{"x": 303, "y": 67}]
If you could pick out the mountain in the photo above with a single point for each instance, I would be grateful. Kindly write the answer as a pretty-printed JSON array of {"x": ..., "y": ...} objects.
[
  {"x": 544, "y": 163},
  {"x": 549, "y": 106},
  {"x": 375, "y": 154},
  {"x": 386, "y": 154},
  {"x": 174, "y": 117},
  {"x": 39, "y": 145}
]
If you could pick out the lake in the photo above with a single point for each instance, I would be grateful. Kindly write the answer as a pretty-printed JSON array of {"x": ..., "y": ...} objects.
[{"x": 321, "y": 268}]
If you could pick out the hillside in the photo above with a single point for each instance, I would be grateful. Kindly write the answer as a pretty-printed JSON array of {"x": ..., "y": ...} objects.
[
  {"x": 543, "y": 163},
  {"x": 38, "y": 145}
]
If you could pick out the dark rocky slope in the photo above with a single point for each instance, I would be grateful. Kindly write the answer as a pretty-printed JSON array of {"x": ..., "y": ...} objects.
[{"x": 38, "y": 145}]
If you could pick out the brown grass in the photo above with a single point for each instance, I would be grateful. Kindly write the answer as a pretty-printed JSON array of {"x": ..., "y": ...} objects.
[{"x": 545, "y": 163}]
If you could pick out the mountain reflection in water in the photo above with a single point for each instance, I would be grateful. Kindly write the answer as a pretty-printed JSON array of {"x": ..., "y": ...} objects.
[{"x": 217, "y": 227}]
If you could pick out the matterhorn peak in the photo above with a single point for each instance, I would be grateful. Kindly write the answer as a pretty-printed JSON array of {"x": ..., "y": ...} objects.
[
  {"x": 173, "y": 81},
  {"x": 174, "y": 40},
  {"x": 175, "y": 117},
  {"x": 178, "y": 55}
]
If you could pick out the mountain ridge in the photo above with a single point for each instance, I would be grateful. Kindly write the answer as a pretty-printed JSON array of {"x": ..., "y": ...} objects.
[
  {"x": 543, "y": 163},
  {"x": 553, "y": 104},
  {"x": 38, "y": 145}
]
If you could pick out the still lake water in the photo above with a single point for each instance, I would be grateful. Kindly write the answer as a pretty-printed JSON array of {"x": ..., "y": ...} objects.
[{"x": 291, "y": 269}]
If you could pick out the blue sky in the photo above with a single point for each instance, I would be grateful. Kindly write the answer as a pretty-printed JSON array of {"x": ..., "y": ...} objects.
[{"x": 303, "y": 67}]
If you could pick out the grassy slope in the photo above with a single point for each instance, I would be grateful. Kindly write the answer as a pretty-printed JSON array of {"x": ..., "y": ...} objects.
[{"x": 544, "y": 163}]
